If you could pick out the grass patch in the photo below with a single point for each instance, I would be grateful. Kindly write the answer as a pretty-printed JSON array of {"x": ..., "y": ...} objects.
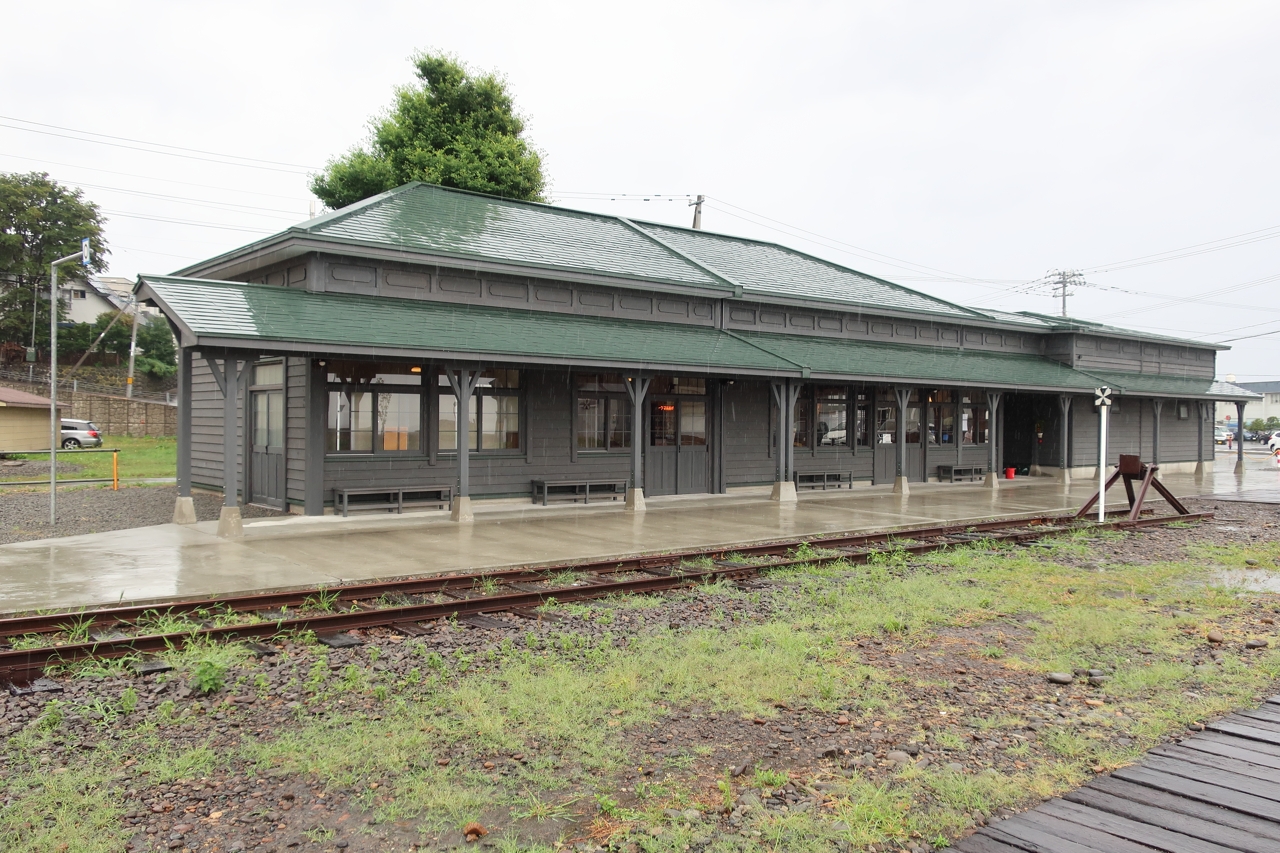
[{"x": 139, "y": 457}]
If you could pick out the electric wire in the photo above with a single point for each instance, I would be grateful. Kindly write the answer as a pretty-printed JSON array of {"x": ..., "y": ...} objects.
[
  {"x": 153, "y": 151},
  {"x": 154, "y": 144},
  {"x": 152, "y": 177}
]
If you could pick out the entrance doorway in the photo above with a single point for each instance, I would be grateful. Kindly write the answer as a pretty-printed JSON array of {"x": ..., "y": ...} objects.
[
  {"x": 677, "y": 461},
  {"x": 266, "y": 446},
  {"x": 885, "y": 436}
]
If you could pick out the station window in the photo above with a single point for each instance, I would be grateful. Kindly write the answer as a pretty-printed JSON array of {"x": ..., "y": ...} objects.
[
  {"x": 602, "y": 412},
  {"x": 831, "y": 417},
  {"x": 886, "y": 422},
  {"x": 677, "y": 385},
  {"x": 941, "y": 412},
  {"x": 974, "y": 417},
  {"x": 374, "y": 407},
  {"x": 493, "y": 413}
]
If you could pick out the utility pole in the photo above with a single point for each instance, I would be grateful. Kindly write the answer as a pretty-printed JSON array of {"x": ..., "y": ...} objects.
[
  {"x": 697, "y": 212},
  {"x": 133, "y": 351},
  {"x": 84, "y": 256},
  {"x": 1066, "y": 279}
]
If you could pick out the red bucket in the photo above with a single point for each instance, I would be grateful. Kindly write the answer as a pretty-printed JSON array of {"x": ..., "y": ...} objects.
[{"x": 1009, "y": 472}]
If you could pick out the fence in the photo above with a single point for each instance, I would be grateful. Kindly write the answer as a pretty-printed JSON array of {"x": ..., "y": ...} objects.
[
  {"x": 113, "y": 415},
  {"x": 39, "y": 376}
]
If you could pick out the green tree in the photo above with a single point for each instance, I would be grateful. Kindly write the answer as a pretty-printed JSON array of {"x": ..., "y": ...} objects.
[
  {"x": 1254, "y": 425},
  {"x": 40, "y": 221},
  {"x": 157, "y": 352},
  {"x": 1273, "y": 423},
  {"x": 455, "y": 127}
]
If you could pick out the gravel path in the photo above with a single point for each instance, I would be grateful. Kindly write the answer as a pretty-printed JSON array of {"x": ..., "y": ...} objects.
[{"x": 24, "y": 515}]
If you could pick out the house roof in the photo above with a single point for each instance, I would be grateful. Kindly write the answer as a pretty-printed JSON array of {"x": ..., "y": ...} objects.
[
  {"x": 467, "y": 227},
  {"x": 1261, "y": 387},
  {"x": 263, "y": 317},
  {"x": 21, "y": 399},
  {"x": 1165, "y": 385},
  {"x": 249, "y": 315}
]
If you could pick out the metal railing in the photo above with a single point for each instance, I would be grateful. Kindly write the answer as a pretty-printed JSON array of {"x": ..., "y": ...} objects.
[
  {"x": 114, "y": 479},
  {"x": 40, "y": 377}
]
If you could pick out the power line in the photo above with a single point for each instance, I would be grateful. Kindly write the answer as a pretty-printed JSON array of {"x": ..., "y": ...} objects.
[
  {"x": 127, "y": 215},
  {"x": 1269, "y": 233},
  {"x": 292, "y": 216},
  {"x": 150, "y": 177},
  {"x": 155, "y": 144},
  {"x": 153, "y": 151}
]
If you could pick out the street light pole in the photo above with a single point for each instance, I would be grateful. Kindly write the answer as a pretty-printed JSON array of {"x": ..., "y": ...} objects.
[{"x": 55, "y": 424}]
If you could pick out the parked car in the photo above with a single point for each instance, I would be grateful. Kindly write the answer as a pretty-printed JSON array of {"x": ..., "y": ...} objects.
[
  {"x": 76, "y": 433},
  {"x": 1219, "y": 436},
  {"x": 1274, "y": 442},
  {"x": 1250, "y": 435}
]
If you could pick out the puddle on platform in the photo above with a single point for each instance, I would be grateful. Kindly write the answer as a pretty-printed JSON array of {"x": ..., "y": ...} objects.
[{"x": 1251, "y": 580}]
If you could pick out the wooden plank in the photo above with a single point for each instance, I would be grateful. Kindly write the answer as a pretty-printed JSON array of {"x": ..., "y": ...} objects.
[
  {"x": 1173, "y": 806},
  {"x": 1202, "y": 791},
  {"x": 1234, "y": 764},
  {"x": 980, "y": 842},
  {"x": 1265, "y": 714},
  {"x": 1267, "y": 754},
  {"x": 1258, "y": 722},
  {"x": 1224, "y": 778},
  {"x": 1247, "y": 840},
  {"x": 1274, "y": 700},
  {"x": 1244, "y": 731},
  {"x": 1140, "y": 832},
  {"x": 1054, "y": 835}
]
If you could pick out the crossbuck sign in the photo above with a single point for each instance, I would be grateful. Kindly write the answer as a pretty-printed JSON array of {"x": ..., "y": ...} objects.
[{"x": 1103, "y": 402}]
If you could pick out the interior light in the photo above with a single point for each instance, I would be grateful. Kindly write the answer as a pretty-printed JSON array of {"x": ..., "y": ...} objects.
[{"x": 415, "y": 369}]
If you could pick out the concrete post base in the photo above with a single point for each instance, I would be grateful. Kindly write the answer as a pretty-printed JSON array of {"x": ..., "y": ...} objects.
[
  {"x": 900, "y": 486},
  {"x": 784, "y": 492},
  {"x": 184, "y": 511},
  {"x": 1239, "y": 470},
  {"x": 229, "y": 523},
  {"x": 1199, "y": 472},
  {"x": 991, "y": 481},
  {"x": 1035, "y": 471},
  {"x": 1062, "y": 475},
  {"x": 460, "y": 510},
  {"x": 635, "y": 500}
]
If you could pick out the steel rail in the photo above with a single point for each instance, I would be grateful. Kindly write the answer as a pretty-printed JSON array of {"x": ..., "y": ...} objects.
[
  {"x": 22, "y": 665},
  {"x": 45, "y": 623}
]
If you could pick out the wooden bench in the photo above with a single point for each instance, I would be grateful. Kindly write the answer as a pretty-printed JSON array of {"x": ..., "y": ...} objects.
[
  {"x": 394, "y": 497},
  {"x": 574, "y": 489},
  {"x": 958, "y": 473},
  {"x": 823, "y": 479}
]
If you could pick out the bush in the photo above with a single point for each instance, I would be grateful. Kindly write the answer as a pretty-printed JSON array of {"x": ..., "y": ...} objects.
[{"x": 209, "y": 676}]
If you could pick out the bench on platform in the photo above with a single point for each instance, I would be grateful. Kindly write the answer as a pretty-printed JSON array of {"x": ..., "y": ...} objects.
[
  {"x": 545, "y": 490},
  {"x": 823, "y": 479},
  {"x": 394, "y": 497},
  {"x": 958, "y": 473}
]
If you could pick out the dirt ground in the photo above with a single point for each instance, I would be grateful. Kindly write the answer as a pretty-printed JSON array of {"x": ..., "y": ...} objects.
[{"x": 792, "y": 712}]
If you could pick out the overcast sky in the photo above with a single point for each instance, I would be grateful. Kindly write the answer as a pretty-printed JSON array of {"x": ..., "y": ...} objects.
[{"x": 964, "y": 149}]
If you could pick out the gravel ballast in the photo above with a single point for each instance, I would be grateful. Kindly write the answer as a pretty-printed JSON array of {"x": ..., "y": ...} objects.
[{"x": 24, "y": 515}]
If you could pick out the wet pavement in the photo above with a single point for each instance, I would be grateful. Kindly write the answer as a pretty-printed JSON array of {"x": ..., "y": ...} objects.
[{"x": 165, "y": 561}]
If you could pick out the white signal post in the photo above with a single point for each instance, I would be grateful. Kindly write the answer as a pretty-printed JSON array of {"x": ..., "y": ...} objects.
[
  {"x": 1103, "y": 402},
  {"x": 84, "y": 256}
]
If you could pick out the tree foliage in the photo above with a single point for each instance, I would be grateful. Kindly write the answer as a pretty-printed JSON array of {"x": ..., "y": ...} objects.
[
  {"x": 40, "y": 221},
  {"x": 157, "y": 352},
  {"x": 455, "y": 127}
]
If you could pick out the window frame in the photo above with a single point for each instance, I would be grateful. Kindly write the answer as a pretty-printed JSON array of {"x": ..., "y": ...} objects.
[
  {"x": 375, "y": 389},
  {"x": 480, "y": 392},
  {"x": 612, "y": 400}
]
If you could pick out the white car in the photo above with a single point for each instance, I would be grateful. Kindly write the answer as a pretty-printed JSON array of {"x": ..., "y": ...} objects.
[{"x": 1274, "y": 442}]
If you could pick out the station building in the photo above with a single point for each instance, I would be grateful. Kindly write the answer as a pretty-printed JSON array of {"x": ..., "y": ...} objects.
[{"x": 329, "y": 364}]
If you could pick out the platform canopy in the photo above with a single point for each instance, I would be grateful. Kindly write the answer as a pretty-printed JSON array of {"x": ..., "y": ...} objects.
[{"x": 270, "y": 319}]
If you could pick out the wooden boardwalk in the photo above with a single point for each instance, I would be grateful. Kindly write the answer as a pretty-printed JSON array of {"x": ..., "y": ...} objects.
[{"x": 1216, "y": 792}]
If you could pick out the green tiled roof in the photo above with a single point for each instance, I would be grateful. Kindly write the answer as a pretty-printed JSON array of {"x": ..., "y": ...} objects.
[
  {"x": 945, "y": 365},
  {"x": 213, "y": 310},
  {"x": 770, "y": 269},
  {"x": 466, "y": 225},
  {"x": 1164, "y": 385}
]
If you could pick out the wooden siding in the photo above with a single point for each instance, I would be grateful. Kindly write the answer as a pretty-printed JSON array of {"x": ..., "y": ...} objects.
[
  {"x": 23, "y": 428},
  {"x": 295, "y": 439},
  {"x": 206, "y": 428},
  {"x": 747, "y": 408}
]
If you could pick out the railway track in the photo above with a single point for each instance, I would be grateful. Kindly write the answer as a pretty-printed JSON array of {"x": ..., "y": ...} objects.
[{"x": 403, "y": 604}]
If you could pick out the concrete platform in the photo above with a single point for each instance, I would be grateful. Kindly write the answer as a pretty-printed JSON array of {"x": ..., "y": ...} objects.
[{"x": 166, "y": 561}]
